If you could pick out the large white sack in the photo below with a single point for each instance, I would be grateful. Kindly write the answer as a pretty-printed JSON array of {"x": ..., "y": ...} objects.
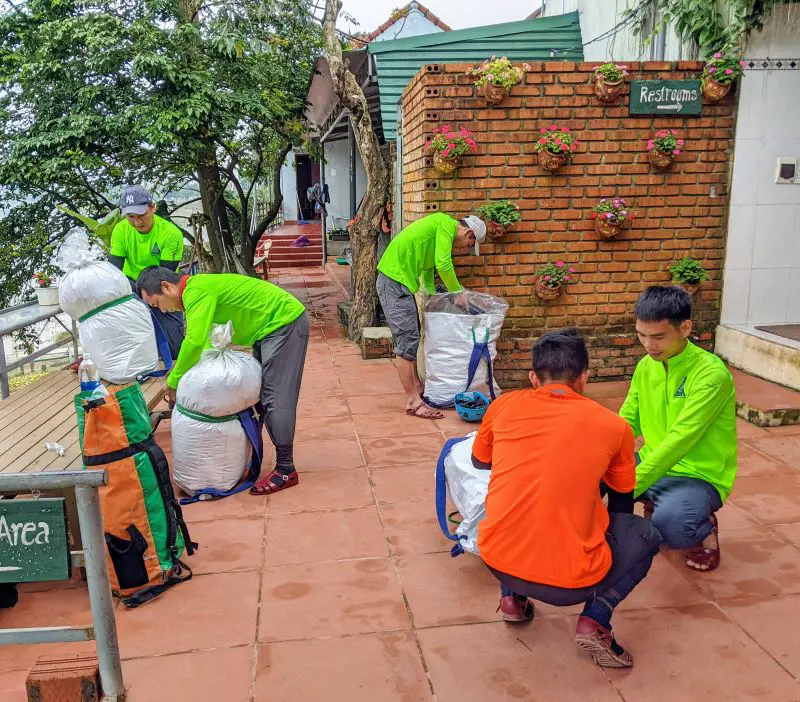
[
  {"x": 453, "y": 322},
  {"x": 223, "y": 382},
  {"x": 121, "y": 341},
  {"x": 467, "y": 487},
  {"x": 88, "y": 283}
]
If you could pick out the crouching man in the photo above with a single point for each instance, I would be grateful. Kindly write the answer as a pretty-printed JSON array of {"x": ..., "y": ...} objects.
[
  {"x": 265, "y": 317},
  {"x": 547, "y": 534}
]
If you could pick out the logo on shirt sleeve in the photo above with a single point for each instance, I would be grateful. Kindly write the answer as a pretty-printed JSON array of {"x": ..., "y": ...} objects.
[{"x": 681, "y": 391}]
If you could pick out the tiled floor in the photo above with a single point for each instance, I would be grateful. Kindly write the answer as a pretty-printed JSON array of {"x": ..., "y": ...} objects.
[{"x": 343, "y": 588}]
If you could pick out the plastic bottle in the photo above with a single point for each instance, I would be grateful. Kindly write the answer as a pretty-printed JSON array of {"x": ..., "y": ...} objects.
[{"x": 90, "y": 378}]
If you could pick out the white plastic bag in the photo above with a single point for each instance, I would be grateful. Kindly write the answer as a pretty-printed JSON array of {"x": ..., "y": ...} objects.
[
  {"x": 120, "y": 339},
  {"x": 454, "y": 323},
  {"x": 467, "y": 487},
  {"x": 223, "y": 383}
]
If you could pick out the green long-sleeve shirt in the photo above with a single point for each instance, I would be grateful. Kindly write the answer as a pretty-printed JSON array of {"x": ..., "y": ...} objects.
[
  {"x": 418, "y": 249},
  {"x": 686, "y": 412},
  {"x": 255, "y": 307}
]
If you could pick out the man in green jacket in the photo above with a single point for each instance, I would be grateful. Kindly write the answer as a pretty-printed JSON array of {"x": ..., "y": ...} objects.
[
  {"x": 682, "y": 401},
  {"x": 265, "y": 317},
  {"x": 425, "y": 245}
]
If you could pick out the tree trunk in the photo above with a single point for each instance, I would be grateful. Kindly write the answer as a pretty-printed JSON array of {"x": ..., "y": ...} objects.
[
  {"x": 364, "y": 232},
  {"x": 220, "y": 238}
]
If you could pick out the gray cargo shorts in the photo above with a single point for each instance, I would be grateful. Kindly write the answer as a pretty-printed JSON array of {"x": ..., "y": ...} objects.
[{"x": 400, "y": 310}]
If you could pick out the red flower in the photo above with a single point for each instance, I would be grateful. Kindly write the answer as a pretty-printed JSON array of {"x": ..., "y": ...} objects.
[
  {"x": 543, "y": 130},
  {"x": 565, "y": 130},
  {"x": 428, "y": 144},
  {"x": 553, "y": 128},
  {"x": 564, "y": 147}
]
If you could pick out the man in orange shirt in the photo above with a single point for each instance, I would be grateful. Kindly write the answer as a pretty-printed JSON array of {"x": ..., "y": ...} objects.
[{"x": 547, "y": 534}]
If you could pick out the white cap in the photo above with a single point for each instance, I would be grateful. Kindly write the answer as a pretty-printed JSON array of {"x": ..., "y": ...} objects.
[{"x": 478, "y": 228}]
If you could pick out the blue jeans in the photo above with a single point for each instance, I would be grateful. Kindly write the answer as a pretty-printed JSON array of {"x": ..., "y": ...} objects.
[{"x": 633, "y": 541}]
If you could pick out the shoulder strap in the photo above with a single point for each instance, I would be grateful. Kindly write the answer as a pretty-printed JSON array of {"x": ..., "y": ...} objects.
[
  {"x": 180, "y": 573},
  {"x": 163, "y": 350},
  {"x": 480, "y": 350},
  {"x": 441, "y": 496}
]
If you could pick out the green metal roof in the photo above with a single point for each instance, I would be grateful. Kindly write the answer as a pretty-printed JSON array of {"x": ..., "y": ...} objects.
[{"x": 544, "y": 39}]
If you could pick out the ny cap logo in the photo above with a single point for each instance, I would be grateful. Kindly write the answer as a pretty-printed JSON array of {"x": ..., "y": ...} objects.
[{"x": 129, "y": 200}]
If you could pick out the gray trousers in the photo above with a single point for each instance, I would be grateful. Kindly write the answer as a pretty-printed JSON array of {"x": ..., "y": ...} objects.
[{"x": 282, "y": 355}]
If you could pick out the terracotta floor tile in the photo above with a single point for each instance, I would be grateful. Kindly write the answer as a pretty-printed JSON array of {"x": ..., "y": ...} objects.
[
  {"x": 347, "y": 361},
  {"x": 367, "y": 668},
  {"x": 12, "y": 685},
  {"x": 374, "y": 404},
  {"x": 392, "y": 424},
  {"x": 331, "y": 599},
  {"x": 755, "y": 564},
  {"x": 694, "y": 654},
  {"x": 784, "y": 448},
  {"x": 332, "y": 406},
  {"x": 416, "y": 481},
  {"x": 664, "y": 586},
  {"x": 452, "y": 425},
  {"x": 330, "y": 489},
  {"x": 733, "y": 517},
  {"x": 227, "y": 545},
  {"x": 754, "y": 463},
  {"x": 388, "y": 451},
  {"x": 412, "y": 529},
  {"x": 790, "y": 532},
  {"x": 383, "y": 383},
  {"x": 766, "y": 623},
  {"x": 316, "y": 428},
  {"x": 328, "y": 454},
  {"x": 442, "y": 590},
  {"x": 221, "y": 674},
  {"x": 745, "y": 430},
  {"x": 772, "y": 500},
  {"x": 208, "y": 611},
  {"x": 498, "y": 662},
  {"x": 239, "y": 506},
  {"x": 787, "y": 430},
  {"x": 312, "y": 537},
  {"x": 320, "y": 386}
]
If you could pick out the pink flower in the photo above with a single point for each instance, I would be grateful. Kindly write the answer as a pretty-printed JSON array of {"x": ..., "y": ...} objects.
[
  {"x": 437, "y": 130},
  {"x": 676, "y": 152},
  {"x": 543, "y": 130},
  {"x": 650, "y": 145},
  {"x": 718, "y": 55},
  {"x": 743, "y": 64},
  {"x": 542, "y": 140},
  {"x": 571, "y": 270},
  {"x": 662, "y": 133},
  {"x": 428, "y": 144},
  {"x": 547, "y": 277},
  {"x": 712, "y": 69},
  {"x": 553, "y": 128},
  {"x": 557, "y": 140},
  {"x": 446, "y": 128},
  {"x": 446, "y": 151},
  {"x": 728, "y": 71},
  {"x": 490, "y": 77},
  {"x": 573, "y": 148},
  {"x": 565, "y": 130},
  {"x": 564, "y": 147},
  {"x": 560, "y": 264},
  {"x": 566, "y": 277},
  {"x": 526, "y": 66},
  {"x": 464, "y": 132},
  {"x": 616, "y": 203},
  {"x": 471, "y": 143},
  {"x": 609, "y": 215},
  {"x": 680, "y": 142}
]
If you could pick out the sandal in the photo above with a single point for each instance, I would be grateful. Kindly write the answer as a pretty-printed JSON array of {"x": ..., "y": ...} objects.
[
  {"x": 701, "y": 559},
  {"x": 275, "y": 482},
  {"x": 428, "y": 412}
]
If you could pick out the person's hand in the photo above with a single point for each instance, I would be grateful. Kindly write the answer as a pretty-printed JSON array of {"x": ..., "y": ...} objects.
[
  {"x": 170, "y": 396},
  {"x": 461, "y": 299}
]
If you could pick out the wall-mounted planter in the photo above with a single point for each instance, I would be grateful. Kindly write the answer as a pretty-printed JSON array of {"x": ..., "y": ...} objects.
[
  {"x": 606, "y": 229},
  {"x": 495, "y": 94},
  {"x": 607, "y": 91},
  {"x": 495, "y": 230},
  {"x": 660, "y": 160},
  {"x": 552, "y": 162},
  {"x": 544, "y": 292},
  {"x": 690, "y": 288},
  {"x": 445, "y": 166},
  {"x": 714, "y": 91}
]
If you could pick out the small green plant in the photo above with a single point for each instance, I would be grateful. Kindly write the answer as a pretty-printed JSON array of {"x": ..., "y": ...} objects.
[
  {"x": 614, "y": 210},
  {"x": 667, "y": 142},
  {"x": 611, "y": 72},
  {"x": 688, "y": 271},
  {"x": 556, "y": 140},
  {"x": 503, "y": 212},
  {"x": 554, "y": 275},
  {"x": 450, "y": 143},
  {"x": 498, "y": 71},
  {"x": 724, "y": 68}
]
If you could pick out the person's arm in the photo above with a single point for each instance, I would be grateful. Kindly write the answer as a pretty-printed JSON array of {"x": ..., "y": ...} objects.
[
  {"x": 199, "y": 309},
  {"x": 482, "y": 446},
  {"x": 702, "y": 407},
  {"x": 620, "y": 478},
  {"x": 443, "y": 259},
  {"x": 171, "y": 265},
  {"x": 117, "y": 251},
  {"x": 427, "y": 281},
  {"x": 630, "y": 408},
  {"x": 118, "y": 261}
]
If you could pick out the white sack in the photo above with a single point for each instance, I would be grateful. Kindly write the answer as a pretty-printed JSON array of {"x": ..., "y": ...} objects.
[
  {"x": 223, "y": 382},
  {"x": 449, "y": 326},
  {"x": 467, "y": 487}
]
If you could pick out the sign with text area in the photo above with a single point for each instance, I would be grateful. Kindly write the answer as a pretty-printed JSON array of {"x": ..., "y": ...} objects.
[{"x": 666, "y": 97}]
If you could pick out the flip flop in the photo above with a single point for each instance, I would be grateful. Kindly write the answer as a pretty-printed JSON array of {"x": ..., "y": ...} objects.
[
  {"x": 704, "y": 560},
  {"x": 415, "y": 412}
]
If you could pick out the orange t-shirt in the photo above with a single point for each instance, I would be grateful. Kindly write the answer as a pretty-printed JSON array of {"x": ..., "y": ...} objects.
[{"x": 549, "y": 449}]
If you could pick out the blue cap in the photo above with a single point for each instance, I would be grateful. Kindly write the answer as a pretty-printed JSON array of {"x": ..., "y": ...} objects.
[{"x": 135, "y": 200}]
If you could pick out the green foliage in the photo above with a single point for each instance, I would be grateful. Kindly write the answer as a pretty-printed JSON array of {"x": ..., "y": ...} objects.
[
  {"x": 498, "y": 71},
  {"x": 504, "y": 212},
  {"x": 689, "y": 271},
  {"x": 451, "y": 143},
  {"x": 101, "y": 228},
  {"x": 614, "y": 210},
  {"x": 554, "y": 275},
  {"x": 724, "y": 67},
  {"x": 611, "y": 72},
  {"x": 556, "y": 140}
]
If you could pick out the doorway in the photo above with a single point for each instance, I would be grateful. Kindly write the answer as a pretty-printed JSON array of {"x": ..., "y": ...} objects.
[{"x": 308, "y": 173}]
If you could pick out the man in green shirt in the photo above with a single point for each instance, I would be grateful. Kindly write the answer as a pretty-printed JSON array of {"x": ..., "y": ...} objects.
[
  {"x": 682, "y": 401},
  {"x": 144, "y": 239},
  {"x": 425, "y": 245},
  {"x": 263, "y": 316}
]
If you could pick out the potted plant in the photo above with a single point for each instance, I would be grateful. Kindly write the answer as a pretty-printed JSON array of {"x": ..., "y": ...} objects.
[
  {"x": 499, "y": 216},
  {"x": 555, "y": 147},
  {"x": 663, "y": 148},
  {"x": 611, "y": 214},
  {"x": 609, "y": 79},
  {"x": 551, "y": 280},
  {"x": 496, "y": 77},
  {"x": 719, "y": 74},
  {"x": 46, "y": 292},
  {"x": 448, "y": 146},
  {"x": 689, "y": 274}
]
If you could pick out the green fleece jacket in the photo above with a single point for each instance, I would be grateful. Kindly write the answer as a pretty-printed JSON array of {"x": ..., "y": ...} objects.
[
  {"x": 686, "y": 411},
  {"x": 255, "y": 307},
  {"x": 421, "y": 246}
]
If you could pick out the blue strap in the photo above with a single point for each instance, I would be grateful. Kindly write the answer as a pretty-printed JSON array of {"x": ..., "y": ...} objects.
[
  {"x": 163, "y": 350},
  {"x": 441, "y": 496},
  {"x": 252, "y": 427},
  {"x": 479, "y": 352}
]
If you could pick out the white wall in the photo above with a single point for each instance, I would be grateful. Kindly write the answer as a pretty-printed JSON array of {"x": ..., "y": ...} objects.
[
  {"x": 762, "y": 265},
  {"x": 289, "y": 188},
  {"x": 337, "y": 176},
  {"x": 412, "y": 25}
]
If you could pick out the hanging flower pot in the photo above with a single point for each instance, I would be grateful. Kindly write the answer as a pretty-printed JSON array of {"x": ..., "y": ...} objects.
[
  {"x": 720, "y": 73},
  {"x": 496, "y": 77},
  {"x": 609, "y": 80},
  {"x": 606, "y": 229},
  {"x": 551, "y": 280},
  {"x": 663, "y": 148},
  {"x": 690, "y": 288},
  {"x": 611, "y": 214},
  {"x": 499, "y": 217},
  {"x": 555, "y": 147},
  {"x": 688, "y": 273},
  {"x": 660, "y": 159},
  {"x": 448, "y": 146}
]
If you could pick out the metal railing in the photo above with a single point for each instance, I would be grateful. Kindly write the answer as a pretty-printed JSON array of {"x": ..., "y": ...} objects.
[{"x": 104, "y": 627}]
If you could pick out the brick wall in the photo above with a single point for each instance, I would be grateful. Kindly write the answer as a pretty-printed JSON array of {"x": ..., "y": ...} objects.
[{"x": 681, "y": 212}]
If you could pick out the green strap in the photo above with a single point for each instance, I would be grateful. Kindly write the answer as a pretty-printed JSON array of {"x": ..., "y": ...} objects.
[
  {"x": 98, "y": 310},
  {"x": 200, "y": 417}
]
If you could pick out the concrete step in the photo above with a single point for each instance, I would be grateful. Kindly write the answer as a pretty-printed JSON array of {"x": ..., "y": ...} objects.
[{"x": 764, "y": 403}]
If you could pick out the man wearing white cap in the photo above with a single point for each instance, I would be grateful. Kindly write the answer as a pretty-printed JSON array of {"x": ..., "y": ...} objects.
[{"x": 425, "y": 245}]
